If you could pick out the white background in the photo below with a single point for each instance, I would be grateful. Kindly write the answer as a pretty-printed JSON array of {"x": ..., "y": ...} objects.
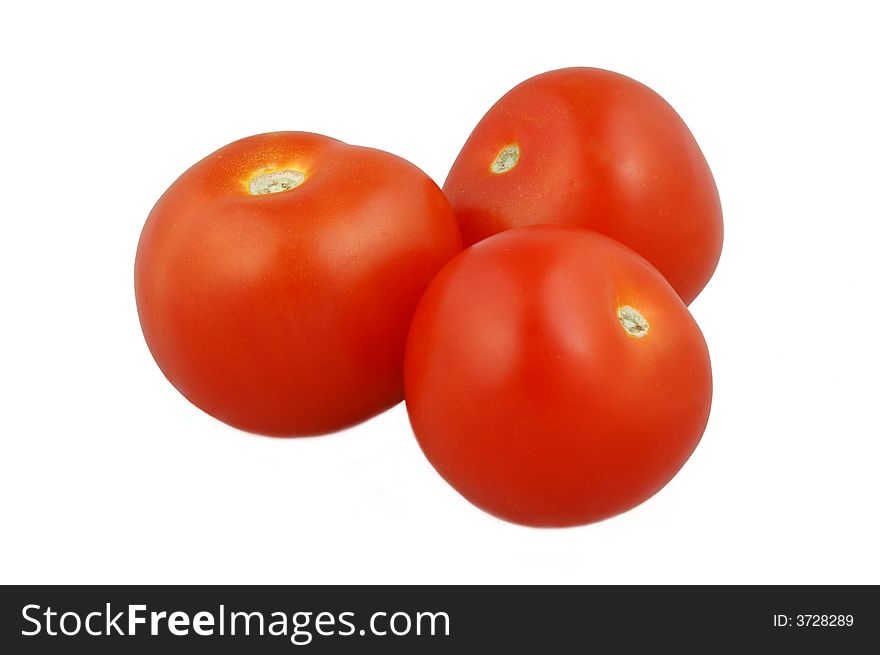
[{"x": 108, "y": 475}]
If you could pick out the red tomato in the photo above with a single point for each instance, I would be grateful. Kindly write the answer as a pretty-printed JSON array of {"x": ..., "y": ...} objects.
[
  {"x": 277, "y": 277},
  {"x": 597, "y": 149},
  {"x": 554, "y": 378}
]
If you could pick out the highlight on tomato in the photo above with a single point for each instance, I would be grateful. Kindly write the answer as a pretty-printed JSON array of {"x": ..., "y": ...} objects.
[
  {"x": 554, "y": 377},
  {"x": 276, "y": 279}
]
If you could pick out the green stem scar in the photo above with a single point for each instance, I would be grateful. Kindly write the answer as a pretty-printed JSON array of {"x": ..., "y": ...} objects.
[
  {"x": 275, "y": 182},
  {"x": 506, "y": 159},
  {"x": 632, "y": 321}
]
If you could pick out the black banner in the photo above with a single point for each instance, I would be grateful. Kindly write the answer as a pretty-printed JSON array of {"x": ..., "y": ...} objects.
[{"x": 348, "y": 619}]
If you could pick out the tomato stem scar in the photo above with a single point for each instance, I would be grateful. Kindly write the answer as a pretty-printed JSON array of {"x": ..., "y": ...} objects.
[
  {"x": 632, "y": 321},
  {"x": 275, "y": 182},
  {"x": 506, "y": 159}
]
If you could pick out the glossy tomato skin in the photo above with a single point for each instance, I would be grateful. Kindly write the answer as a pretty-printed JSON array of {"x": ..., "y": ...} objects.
[
  {"x": 286, "y": 313},
  {"x": 530, "y": 396},
  {"x": 600, "y": 150}
]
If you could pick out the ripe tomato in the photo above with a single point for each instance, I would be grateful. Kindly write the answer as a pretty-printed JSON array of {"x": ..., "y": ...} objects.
[
  {"x": 597, "y": 149},
  {"x": 276, "y": 280},
  {"x": 554, "y": 378}
]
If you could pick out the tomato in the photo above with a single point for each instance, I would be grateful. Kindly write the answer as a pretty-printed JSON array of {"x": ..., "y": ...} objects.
[
  {"x": 554, "y": 377},
  {"x": 597, "y": 149},
  {"x": 276, "y": 279}
]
